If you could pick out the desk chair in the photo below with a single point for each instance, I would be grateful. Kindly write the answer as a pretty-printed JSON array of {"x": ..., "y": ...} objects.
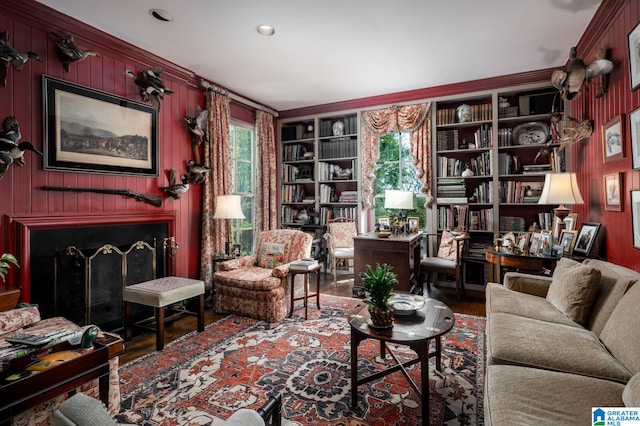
[{"x": 449, "y": 259}]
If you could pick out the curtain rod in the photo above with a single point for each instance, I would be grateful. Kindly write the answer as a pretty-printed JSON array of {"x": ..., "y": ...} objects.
[{"x": 215, "y": 88}]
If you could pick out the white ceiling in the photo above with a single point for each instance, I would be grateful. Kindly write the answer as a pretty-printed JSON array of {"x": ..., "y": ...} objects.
[{"x": 327, "y": 51}]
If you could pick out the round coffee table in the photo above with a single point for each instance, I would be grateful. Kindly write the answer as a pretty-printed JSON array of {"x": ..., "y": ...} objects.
[{"x": 414, "y": 330}]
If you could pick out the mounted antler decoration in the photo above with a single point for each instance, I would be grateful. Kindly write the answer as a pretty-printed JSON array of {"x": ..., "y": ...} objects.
[{"x": 570, "y": 82}]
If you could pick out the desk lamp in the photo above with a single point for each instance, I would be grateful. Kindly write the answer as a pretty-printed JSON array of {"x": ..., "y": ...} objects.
[
  {"x": 561, "y": 188},
  {"x": 228, "y": 207},
  {"x": 398, "y": 200}
]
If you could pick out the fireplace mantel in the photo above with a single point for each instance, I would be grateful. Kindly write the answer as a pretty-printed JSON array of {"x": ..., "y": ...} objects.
[{"x": 20, "y": 229}]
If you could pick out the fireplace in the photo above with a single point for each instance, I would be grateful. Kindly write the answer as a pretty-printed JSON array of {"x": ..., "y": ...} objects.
[{"x": 76, "y": 267}]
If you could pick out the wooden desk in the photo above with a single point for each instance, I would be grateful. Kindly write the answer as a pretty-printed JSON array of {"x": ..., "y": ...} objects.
[
  {"x": 401, "y": 251},
  {"x": 535, "y": 264}
]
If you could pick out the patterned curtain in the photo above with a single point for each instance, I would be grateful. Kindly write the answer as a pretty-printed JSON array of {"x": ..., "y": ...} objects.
[
  {"x": 411, "y": 118},
  {"x": 217, "y": 155},
  {"x": 266, "y": 205}
]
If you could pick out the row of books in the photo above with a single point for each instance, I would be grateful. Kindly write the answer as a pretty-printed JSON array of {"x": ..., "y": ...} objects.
[
  {"x": 342, "y": 147},
  {"x": 291, "y": 173},
  {"x": 478, "y": 113},
  {"x": 294, "y": 194},
  {"x": 448, "y": 217},
  {"x": 483, "y": 193},
  {"x": 348, "y": 212},
  {"x": 515, "y": 191},
  {"x": 481, "y": 220},
  {"x": 483, "y": 137},
  {"x": 350, "y": 126},
  {"x": 295, "y": 152},
  {"x": 447, "y": 140},
  {"x": 327, "y": 194},
  {"x": 451, "y": 190},
  {"x": 512, "y": 223},
  {"x": 329, "y": 171},
  {"x": 505, "y": 136}
]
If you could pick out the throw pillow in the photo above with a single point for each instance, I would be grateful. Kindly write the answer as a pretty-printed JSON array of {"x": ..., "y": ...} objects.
[
  {"x": 573, "y": 289},
  {"x": 272, "y": 255},
  {"x": 631, "y": 393},
  {"x": 447, "y": 248}
]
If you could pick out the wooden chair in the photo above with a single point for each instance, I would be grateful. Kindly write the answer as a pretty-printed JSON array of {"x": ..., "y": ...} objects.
[
  {"x": 339, "y": 236},
  {"x": 448, "y": 260}
]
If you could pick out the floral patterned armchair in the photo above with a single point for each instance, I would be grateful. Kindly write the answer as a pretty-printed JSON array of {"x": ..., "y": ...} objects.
[{"x": 255, "y": 285}]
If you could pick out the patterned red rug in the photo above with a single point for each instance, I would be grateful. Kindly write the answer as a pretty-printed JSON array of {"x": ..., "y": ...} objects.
[{"x": 237, "y": 362}]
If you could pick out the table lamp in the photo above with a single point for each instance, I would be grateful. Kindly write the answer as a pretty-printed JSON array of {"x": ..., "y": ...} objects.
[
  {"x": 398, "y": 200},
  {"x": 560, "y": 188},
  {"x": 228, "y": 207}
]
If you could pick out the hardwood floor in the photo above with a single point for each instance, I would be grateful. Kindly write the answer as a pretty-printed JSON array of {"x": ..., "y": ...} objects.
[{"x": 472, "y": 303}]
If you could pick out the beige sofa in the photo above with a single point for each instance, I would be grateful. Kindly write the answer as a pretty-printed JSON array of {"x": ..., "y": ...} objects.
[{"x": 558, "y": 346}]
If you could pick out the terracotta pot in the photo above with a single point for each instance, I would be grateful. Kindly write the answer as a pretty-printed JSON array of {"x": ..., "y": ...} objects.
[{"x": 380, "y": 318}]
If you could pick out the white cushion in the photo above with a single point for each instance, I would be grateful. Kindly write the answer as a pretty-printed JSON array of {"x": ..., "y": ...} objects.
[{"x": 163, "y": 291}]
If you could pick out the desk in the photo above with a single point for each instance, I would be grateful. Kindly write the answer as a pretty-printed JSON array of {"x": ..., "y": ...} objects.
[
  {"x": 415, "y": 331},
  {"x": 400, "y": 251},
  {"x": 498, "y": 260}
]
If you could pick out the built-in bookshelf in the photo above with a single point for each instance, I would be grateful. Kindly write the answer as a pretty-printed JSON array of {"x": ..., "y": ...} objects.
[
  {"x": 492, "y": 150},
  {"x": 319, "y": 172}
]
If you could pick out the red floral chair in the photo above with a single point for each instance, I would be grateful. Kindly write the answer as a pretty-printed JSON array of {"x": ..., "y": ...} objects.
[{"x": 255, "y": 285}]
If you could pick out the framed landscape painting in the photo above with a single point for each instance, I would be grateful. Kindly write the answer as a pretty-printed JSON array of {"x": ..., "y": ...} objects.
[{"x": 86, "y": 130}]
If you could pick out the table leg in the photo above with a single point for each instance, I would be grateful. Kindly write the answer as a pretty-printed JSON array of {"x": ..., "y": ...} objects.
[
  {"x": 306, "y": 294},
  {"x": 439, "y": 354},
  {"x": 318, "y": 288},
  {"x": 424, "y": 369},
  {"x": 293, "y": 279},
  {"x": 354, "y": 369}
]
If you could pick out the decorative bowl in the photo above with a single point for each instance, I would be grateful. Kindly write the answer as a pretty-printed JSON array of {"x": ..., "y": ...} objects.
[
  {"x": 406, "y": 304},
  {"x": 383, "y": 234}
]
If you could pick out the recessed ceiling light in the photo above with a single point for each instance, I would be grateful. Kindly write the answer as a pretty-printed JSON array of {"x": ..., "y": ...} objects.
[
  {"x": 265, "y": 30},
  {"x": 161, "y": 15}
]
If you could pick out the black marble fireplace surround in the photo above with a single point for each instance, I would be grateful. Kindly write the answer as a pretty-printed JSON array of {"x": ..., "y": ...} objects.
[{"x": 72, "y": 274}]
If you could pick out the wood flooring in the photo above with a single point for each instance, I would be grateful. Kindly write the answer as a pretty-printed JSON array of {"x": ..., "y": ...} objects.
[{"x": 472, "y": 303}]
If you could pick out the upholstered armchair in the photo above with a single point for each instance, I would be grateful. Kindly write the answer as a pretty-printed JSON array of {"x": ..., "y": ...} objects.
[{"x": 255, "y": 285}]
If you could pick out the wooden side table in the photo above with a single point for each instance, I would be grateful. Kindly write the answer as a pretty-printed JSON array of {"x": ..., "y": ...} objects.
[{"x": 307, "y": 295}]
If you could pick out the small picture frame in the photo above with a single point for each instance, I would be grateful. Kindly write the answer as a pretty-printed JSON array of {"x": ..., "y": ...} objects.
[
  {"x": 555, "y": 228},
  {"x": 612, "y": 191},
  {"x": 546, "y": 243},
  {"x": 567, "y": 241},
  {"x": 634, "y": 127},
  {"x": 634, "y": 56},
  {"x": 635, "y": 217},
  {"x": 236, "y": 249},
  {"x": 535, "y": 243},
  {"x": 384, "y": 223},
  {"x": 570, "y": 221},
  {"x": 523, "y": 240},
  {"x": 413, "y": 224},
  {"x": 586, "y": 237},
  {"x": 556, "y": 250},
  {"x": 613, "y": 139}
]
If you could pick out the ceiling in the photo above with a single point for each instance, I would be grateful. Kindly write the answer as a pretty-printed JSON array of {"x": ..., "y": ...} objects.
[{"x": 328, "y": 51}]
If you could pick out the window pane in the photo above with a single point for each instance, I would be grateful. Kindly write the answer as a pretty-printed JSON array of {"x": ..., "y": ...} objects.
[
  {"x": 405, "y": 146},
  {"x": 409, "y": 181},
  {"x": 244, "y": 178},
  {"x": 244, "y": 144},
  {"x": 389, "y": 148},
  {"x": 387, "y": 177}
]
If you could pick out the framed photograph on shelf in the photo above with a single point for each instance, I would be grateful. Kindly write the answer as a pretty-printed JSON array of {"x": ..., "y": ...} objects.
[
  {"x": 523, "y": 240},
  {"x": 567, "y": 241},
  {"x": 586, "y": 237},
  {"x": 413, "y": 224},
  {"x": 634, "y": 56},
  {"x": 570, "y": 221},
  {"x": 613, "y": 139},
  {"x": 634, "y": 125},
  {"x": 86, "y": 130},
  {"x": 535, "y": 243},
  {"x": 546, "y": 243},
  {"x": 635, "y": 217},
  {"x": 612, "y": 189}
]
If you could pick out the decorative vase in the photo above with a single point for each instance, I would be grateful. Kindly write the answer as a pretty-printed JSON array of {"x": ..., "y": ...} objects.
[
  {"x": 463, "y": 112},
  {"x": 381, "y": 318},
  {"x": 467, "y": 172}
]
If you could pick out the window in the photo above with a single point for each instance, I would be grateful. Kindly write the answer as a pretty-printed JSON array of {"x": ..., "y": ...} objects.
[
  {"x": 242, "y": 147},
  {"x": 395, "y": 171}
]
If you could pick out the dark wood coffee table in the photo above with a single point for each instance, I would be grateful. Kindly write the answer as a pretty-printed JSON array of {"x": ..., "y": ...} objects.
[{"x": 414, "y": 330}]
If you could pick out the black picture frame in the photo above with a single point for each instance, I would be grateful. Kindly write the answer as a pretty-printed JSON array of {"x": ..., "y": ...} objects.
[
  {"x": 86, "y": 130},
  {"x": 586, "y": 237}
]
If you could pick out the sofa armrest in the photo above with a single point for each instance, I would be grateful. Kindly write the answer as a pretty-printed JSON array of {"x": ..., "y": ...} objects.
[
  {"x": 281, "y": 271},
  {"x": 16, "y": 319},
  {"x": 240, "y": 262},
  {"x": 537, "y": 285}
]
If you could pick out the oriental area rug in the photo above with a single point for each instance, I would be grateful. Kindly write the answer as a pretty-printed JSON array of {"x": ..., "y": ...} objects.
[{"x": 239, "y": 362}]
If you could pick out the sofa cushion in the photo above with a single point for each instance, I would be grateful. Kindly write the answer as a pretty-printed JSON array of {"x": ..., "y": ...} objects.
[
  {"x": 448, "y": 245},
  {"x": 631, "y": 393},
  {"x": 536, "y": 285},
  {"x": 251, "y": 278},
  {"x": 573, "y": 289},
  {"x": 15, "y": 319},
  {"x": 614, "y": 282},
  {"x": 501, "y": 299},
  {"x": 524, "y": 341},
  {"x": 529, "y": 396},
  {"x": 620, "y": 334}
]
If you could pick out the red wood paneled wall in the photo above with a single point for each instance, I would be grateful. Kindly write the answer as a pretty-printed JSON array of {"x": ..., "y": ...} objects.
[
  {"x": 20, "y": 195},
  {"x": 610, "y": 27}
]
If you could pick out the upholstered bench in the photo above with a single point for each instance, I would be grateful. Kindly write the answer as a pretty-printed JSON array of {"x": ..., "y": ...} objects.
[{"x": 161, "y": 293}]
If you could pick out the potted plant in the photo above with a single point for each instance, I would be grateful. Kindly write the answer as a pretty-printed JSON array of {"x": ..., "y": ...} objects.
[
  {"x": 378, "y": 288},
  {"x": 5, "y": 263}
]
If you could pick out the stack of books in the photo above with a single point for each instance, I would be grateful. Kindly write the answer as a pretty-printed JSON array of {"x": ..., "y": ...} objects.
[
  {"x": 304, "y": 264},
  {"x": 451, "y": 190}
]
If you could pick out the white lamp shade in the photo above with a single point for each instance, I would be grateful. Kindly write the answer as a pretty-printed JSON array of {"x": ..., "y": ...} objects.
[
  {"x": 228, "y": 207},
  {"x": 560, "y": 188},
  {"x": 396, "y": 199}
]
